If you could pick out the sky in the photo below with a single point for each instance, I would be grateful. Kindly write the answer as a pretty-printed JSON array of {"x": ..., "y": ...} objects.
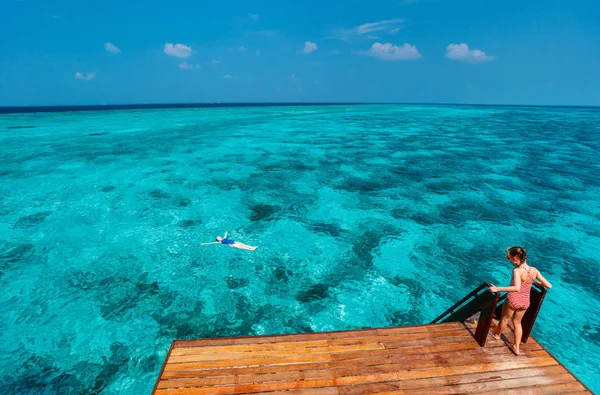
[{"x": 73, "y": 52}]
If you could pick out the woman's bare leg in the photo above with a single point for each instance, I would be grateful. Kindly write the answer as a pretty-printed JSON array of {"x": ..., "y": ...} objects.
[
  {"x": 518, "y": 329},
  {"x": 507, "y": 312},
  {"x": 243, "y": 246}
]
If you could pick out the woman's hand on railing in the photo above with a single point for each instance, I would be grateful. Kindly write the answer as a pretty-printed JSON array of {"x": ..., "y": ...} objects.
[{"x": 493, "y": 288}]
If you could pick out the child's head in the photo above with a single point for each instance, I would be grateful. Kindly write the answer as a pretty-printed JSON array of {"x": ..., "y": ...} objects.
[{"x": 517, "y": 255}]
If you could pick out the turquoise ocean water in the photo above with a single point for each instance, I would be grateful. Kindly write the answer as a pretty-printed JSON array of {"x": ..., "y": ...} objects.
[{"x": 365, "y": 216}]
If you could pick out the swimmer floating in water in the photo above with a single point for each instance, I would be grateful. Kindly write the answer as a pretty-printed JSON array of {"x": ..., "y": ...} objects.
[{"x": 231, "y": 243}]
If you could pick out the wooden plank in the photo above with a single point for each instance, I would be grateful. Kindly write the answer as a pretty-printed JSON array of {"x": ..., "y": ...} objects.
[
  {"x": 403, "y": 337},
  {"x": 399, "y": 392},
  {"x": 427, "y": 342},
  {"x": 423, "y": 385},
  {"x": 226, "y": 354},
  {"x": 223, "y": 341},
  {"x": 407, "y": 350},
  {"x": 247, "y": 362},
  {"x": 418, "y": 328},
  {"x": 447, "y": 347},
  {"x": 278, "y": 386},
  {"x": 235, "y": 371},
  {"x": 471, "y": 351},
  {"x": 573, "y": 387},
  {"x": 380, "y": 377},
  {"x": 314, "y": 343},
  {"x": 407, "y": 364},
  {"x": 452, "y": 357},
  {"x": 366, "y": 378},
  {"x": 486, "y": 367},
  {"x": 249, "y": 388},
  {"x": 249, "y": 378},
  {"x": 251, "y": 347},
  {"x": 524, "y": 384},
  {"x": 221, "y": 371},
  {"x": 427, "y": 353},
  {"x": 304, "y": 391},
  {"x": 470, "y": 359}
]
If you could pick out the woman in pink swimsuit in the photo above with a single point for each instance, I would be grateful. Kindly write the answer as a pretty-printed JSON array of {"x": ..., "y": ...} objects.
[{"x": 518, "y": 293}]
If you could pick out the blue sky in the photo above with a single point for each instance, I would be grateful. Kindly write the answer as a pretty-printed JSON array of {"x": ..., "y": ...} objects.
[{"x": 472, "y": 51}]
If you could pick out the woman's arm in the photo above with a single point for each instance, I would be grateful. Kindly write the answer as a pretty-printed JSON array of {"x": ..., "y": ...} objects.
[
  {"x": 226, "y": 233},
  {"x": 544, "y": 282},
  {"x": 513, "y": 288}
]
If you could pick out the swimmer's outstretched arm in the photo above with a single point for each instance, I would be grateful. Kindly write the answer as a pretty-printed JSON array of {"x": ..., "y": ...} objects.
[
  {"x": 213, "y": 242},
  {"x": 226, "y": 233}
]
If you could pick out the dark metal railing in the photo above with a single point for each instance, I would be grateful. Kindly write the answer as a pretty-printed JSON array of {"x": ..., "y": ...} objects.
[{"x": 484, "y": 303}]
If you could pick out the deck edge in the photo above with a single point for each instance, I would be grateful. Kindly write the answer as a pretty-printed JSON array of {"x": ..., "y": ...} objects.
[
  {"x": 564, "y": 367},
  {"x": 179, "y": 342},
  {"x": 162, "y": 370}
]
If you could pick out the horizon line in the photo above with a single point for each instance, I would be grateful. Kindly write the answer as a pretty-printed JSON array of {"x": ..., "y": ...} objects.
[{"x": 100, "y": 107}]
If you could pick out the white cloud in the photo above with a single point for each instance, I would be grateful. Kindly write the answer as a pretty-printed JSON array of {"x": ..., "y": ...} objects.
[
  {"x": 462, "y": 52},
  {"x": 178, "y": 50},
  {"x": 389, "y": 51},
  {"x": 242, "y": 49},
  {"x": 336, "y": 51},
  {"x": 215, "y": 61},
  {"x": 293, "y": 76},
  {"x": 86, "y": 76},
  {"x": 385, "y": 27},
  {"x": 309, "y": 47},
  {"x": 257, "y": 52},
  {"x": 229, "y": 77},
  {"x": 187, "y": 66},
  {"x": 390, "y": 25},
  {"x": 253, "y": 17},
  {"x": 110, "y": 47}
]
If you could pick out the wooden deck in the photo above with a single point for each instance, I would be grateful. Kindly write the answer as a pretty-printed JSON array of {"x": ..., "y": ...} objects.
[{"x": 427, "y": 359}]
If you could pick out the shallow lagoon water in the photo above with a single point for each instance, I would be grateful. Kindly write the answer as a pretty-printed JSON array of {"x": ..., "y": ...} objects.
[{"x": 365, "y": 216}]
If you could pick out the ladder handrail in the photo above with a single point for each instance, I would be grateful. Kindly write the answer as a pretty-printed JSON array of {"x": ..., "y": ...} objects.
[
  {"x": 485, "y": 303},
  {"x": 536, "y": 300},
  {"x": 474, "y": 292},
  {"x": 489, "y": 305}
]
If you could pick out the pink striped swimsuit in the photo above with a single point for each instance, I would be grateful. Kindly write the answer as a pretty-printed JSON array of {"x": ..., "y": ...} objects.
[{"x": 520, "y": 299}]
